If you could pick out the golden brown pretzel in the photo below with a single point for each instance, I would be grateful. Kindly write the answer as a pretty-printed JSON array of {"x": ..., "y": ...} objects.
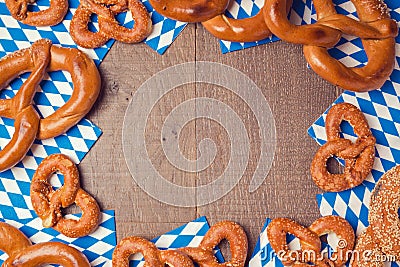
[
  {"x": 12, "y": 240},
  {"x": 240, "y": 30},
  {"x": 203, "y": 255},
  {"x": 152, "y": 256},
  {"x": 40, "y": 58},
  {"x": 190, "y": 11},
  {"x": 48, "y": 202},
  {"x": 383, "y": 217},
  {"x": 359, "y": 157},
  {"x": 342, "y": 229},
  {"x": 47, "y": 253},
  {"x": 48, "y": 17},
  {"x": 375, "y": 28},
  {"x": 109, "y": 27},
  {"x": 309, "y": 240},
  {"x": 22, "y": 253}
]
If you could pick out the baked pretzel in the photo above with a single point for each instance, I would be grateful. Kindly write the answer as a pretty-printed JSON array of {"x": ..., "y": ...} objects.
[
  {"x": 40, "y": 58},
  {"x": 152, "y": 256},
  {"x": 48, "y": 202},
  {"x": 309, "y": 240},
  {"x": 109, "y": 27},
  {"x": 375, "y": 28},
  {"x": 368, "y": 254},
  {"x": 190, "y": 11},
  {"x": 359, "y": 156},
  {"x": 22, "y": 253},
  {"x": 240, "y": 30},
  {"x": 48, "y": 17},
  {"x": 203, "y": 255},
  {"x": 383, "y": 216}
]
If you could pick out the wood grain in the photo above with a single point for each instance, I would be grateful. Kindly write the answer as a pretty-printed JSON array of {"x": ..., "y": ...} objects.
[{"x": 296, "y": 95}]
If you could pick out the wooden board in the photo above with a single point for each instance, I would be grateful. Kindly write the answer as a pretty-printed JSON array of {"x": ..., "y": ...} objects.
[{"x": 296, "y": 95}]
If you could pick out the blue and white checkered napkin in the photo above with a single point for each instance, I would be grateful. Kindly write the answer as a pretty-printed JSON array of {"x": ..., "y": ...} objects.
[
  {"x": 188, "y": 235},
  {"x": 240, "y": 9},
  {"x": 382, "y": 111},
  {"x": 264, "y": 256},
  {"x": 97, "y": 247},
  {"x": 12, "y": 33}
]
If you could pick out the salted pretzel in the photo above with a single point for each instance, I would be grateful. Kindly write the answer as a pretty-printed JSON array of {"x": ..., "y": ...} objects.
[
  {"x": 152, "y": 255},
  {"x": 40, "y": 58},
  {"x": 309, "y": 240},
  {"x": 48, "y": 17},
  {"x": 359, "y": 156},
  {"x": 204, "y": 256},
  {"x": 48, "y": 202},
  {"x": 383, "y": 212},
  {"x": 109, "y": 27},
  {"x": 375, "y": 28},
  {"x": 22, "y": 253}
]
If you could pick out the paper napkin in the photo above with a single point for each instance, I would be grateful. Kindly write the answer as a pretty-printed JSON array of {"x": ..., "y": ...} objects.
[
  {"x": 97, "y": 247},
  {"x": 187, "y": 235}
]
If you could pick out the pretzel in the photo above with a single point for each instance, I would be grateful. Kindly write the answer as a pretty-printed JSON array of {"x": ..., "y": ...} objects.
[
  {"x": 367, "y": 251},
  {"x": 190, "y": 11},
  {"x": 203, "y": 255},
  {"x": 383, "y": 216},
  {"x": 359, "y": 157},
  {"x": 40, "y": 58},
  {"x": 309, "y": 240},
  {"x": 109, "y": 27},
  {"x": 152, "y": 256},
  {"x": 375, "y": 28},
  {"x": 48, "y": 17},
  {"x": 48, "y": 202},
  {"x": 22, "y": 253},
  {"x": 240, "y": 30}
]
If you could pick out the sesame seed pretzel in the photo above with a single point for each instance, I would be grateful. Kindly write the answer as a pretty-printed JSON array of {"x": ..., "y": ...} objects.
[
  {"x": 367, "y": 251},
  {"x": 22, "y": 253},
  {"x": 48, "y": 17},
  {"x": 152, "y": 255},
  {"x": 383, "y": 216},
  {"x": 204, "y": 256},
  {"x": 309, "y": 240},
  {"x": 109, "y": 27},
  {"x": 40, "y": 58},
  {"x": 375, "y": 28},
  {"x": 48, "y": 202},
  {"x": 359, "y": 157}
]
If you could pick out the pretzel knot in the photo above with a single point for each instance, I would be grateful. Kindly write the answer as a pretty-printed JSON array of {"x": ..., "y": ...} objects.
[
  {"x": 211, "y": 14},
  {"x": 40, "y": 58},
  {"x": 204, "y": 256},
  {"x": 375, "y": 28},
  {"x": 109, "y": 27},
  {"x": 152, "y": 256},
  {"x": 48, "y": 202},
  {"x": 359, "y": 156},
  {"x": 310, "y": 242},
  {"x": 22, "y": 253},
  {"x": 48, "y": 17}
]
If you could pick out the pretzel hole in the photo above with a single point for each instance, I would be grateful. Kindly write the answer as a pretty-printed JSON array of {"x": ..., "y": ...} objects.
[
  {"x": 225, "y": 250},
  {"x": 330, "y": 243},
  {"x": 6, "y": 131},
  {"x": 335, "y": 165},
  {"x": 92, "y": 24},
  {"x": 56, "y": 180},
  {"x": 136, "y": 257},
  {"x": 35, "y": 6},
  {"x": 347, "y": 131},
  {"x": 72, "y": 212}
]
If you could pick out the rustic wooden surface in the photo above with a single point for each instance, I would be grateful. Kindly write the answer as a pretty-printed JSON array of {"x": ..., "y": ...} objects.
[{"x": 297, "y": 97}]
